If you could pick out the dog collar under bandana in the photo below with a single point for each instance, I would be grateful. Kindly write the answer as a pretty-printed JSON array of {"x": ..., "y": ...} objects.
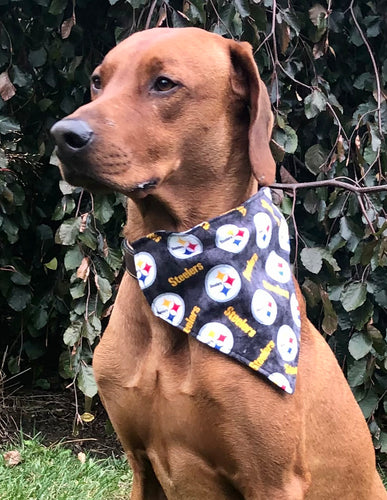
[{"x": 228, "y": 283}]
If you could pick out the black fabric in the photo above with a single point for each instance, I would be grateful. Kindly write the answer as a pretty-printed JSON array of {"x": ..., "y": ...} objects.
[{"x": 228, "y": 283}]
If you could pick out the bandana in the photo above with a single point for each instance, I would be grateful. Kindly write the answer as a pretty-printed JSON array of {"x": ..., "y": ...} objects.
[{"x": 228, "y": 283}]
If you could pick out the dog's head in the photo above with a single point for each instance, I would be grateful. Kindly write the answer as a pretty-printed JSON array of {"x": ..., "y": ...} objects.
[{"x": 166, "y": 103}]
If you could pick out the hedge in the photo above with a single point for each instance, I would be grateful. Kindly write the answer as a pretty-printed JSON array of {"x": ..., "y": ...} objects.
[{"x": 60, "y": 263}]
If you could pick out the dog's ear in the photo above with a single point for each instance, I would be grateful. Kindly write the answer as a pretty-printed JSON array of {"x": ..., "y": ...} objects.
[{"x": 247, "y": 84}]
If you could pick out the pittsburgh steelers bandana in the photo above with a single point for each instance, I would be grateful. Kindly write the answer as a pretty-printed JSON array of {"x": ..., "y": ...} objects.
[{"x": 228, "y": 283}]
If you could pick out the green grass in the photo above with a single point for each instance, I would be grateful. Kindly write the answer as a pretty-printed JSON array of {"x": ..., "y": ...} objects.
[{"x": 55, "y": 473}]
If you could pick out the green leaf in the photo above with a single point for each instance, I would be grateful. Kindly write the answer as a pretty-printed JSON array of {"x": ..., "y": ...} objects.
[
  {"x": 78, "y": 290},
  {"x": 86, "y": 380},
  {"x": 19, "y": 298},
  {"x": 314, "y": 103},
  {"x": 242, "y": 6},
  {"x": 65, "y": 368},
  {"x": 351, "y": 232},
  {"x": 40, "y": 318},
  {"x": 20, "y": 278},
  {"x": 357, "y": 372},
  {"x": 359, "y": 345},
  {"x": 292, "y": 19},
  {"x": 34, "y": 349},
  {"x": 73, "y": 333},
  {"x": 57, "y": 7},
  {"x": 383, "y": 442},
  {"x": 354, "y": 296},
  {"x": 68, "y": 231},
  {"x": 37, "y": 57},
  {"x": 66, "y": 188},
  {"x": 103, "y": 210},
  {"x": 370, "y": 155},
  {"x": 104, "y": 288},
  {"x": 89, "y": 238},
  {"x": 197, "y": 10},
  {"x": 362, "y": 315},
  {"x": 8, "y": 125},
  {"x": 312, "y": 259},
  {"x": 73, "y": 258},
  {"x": 11, "y": 230},
  {"x": 369, "y": 403},
  {"x": 52, "y": 265},
  {"x": 286, "y": 139},
  {"x": 315, "y": 158}
]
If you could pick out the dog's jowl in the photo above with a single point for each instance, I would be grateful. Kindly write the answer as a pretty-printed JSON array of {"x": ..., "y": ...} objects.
[{"x": 215, "y": 381}]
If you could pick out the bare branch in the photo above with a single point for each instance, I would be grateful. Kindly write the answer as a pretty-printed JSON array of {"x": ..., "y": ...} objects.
[
  {"x": 331, "y": 183},
  {"x": 376, "y": 71}
]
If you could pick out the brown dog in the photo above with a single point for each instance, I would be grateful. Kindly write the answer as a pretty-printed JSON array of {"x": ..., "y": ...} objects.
[{"x": 180, "y": 122}]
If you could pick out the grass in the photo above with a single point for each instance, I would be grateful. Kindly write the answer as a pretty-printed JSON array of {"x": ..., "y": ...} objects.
[{"x": 55, "y": 473}]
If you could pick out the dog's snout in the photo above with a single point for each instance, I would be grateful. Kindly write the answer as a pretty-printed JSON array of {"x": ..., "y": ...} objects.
[{"x": 72, "y": 135}]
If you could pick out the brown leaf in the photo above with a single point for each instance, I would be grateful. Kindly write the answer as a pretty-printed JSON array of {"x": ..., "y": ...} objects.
[
  {"x": 83, "y": 226},
  {"x": 162, "y": 17},
  {"x": 277, "y": 150},
  {"x": 286, "y": 177},
  {"x": 340, "y": 148},
  {"x": 329, "y": 324},
  {"x": 105, "y": 247},
  {"x": 7, "y": 90},
  {"x": 83, "y": 270},
  {"x": 12, "y": 458},
  {"x": 67, "y": 26},
  {"x": 284, "y": 35},
  {"x": 107, "y": 312}
]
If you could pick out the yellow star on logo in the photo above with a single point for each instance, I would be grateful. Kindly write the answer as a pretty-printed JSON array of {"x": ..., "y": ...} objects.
[
  {"x": 166, "y": 303},
  {"x": 220, "y": 276}
]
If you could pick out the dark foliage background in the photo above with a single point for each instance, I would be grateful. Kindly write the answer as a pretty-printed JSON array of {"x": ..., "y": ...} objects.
[{"x": 325, "y": 65}]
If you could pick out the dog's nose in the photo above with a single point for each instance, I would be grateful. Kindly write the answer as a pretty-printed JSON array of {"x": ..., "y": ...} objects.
[{"x": 72, "y": 135}]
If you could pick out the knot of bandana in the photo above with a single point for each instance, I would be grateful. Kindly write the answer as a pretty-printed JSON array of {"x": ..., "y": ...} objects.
[{"x": 228, "y": 283}]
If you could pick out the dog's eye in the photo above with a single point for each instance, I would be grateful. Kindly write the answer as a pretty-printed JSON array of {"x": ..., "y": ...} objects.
[
  {"x": 163, "y": 84},
  {"x": 96, "y": 82}
]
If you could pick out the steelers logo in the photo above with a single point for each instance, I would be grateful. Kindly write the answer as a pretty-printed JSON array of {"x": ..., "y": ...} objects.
[
  {"x": 216, "y": 335},
  {"x": 266, "y": 191},
  {"x": 287, "y": 343},
  {"x": 283, "y": 236},
  {"x": 295, "y": 309},
  {"x": 264, "y": 307},
  {"x": 222, "y": 283},
  {"x": 146, "y": 269},
  {"x": 277, "y": 268},
  {"x": 280, "y": 380},
  {"x": 184, "y": 246},
  {"x": 232, "y": 238},
  {"x": 169, "y": 307},
  {"x": 264, "y": 229}
]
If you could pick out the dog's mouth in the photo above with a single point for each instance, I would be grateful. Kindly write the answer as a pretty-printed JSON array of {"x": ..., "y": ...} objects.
[
  {"x": 143, "y": 189},
  {"x": 96, "y": 183}
]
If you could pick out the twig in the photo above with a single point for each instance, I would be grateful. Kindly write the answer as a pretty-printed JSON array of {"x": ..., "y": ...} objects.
[
  {"x": 332, "y": 183},
  {"x": 150, "y": 14},
  {"x": 373, "y": 64}
]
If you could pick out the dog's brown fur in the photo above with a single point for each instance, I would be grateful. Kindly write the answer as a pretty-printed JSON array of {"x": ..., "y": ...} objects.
[{"x": 195, "y": 424}]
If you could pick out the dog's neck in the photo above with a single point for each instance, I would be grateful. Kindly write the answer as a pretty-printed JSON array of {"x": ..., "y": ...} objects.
[{"x": 174, "y": 209}]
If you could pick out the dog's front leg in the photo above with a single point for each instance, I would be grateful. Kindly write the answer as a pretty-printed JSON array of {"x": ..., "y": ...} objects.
[{"x": 145, "y": 483}]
